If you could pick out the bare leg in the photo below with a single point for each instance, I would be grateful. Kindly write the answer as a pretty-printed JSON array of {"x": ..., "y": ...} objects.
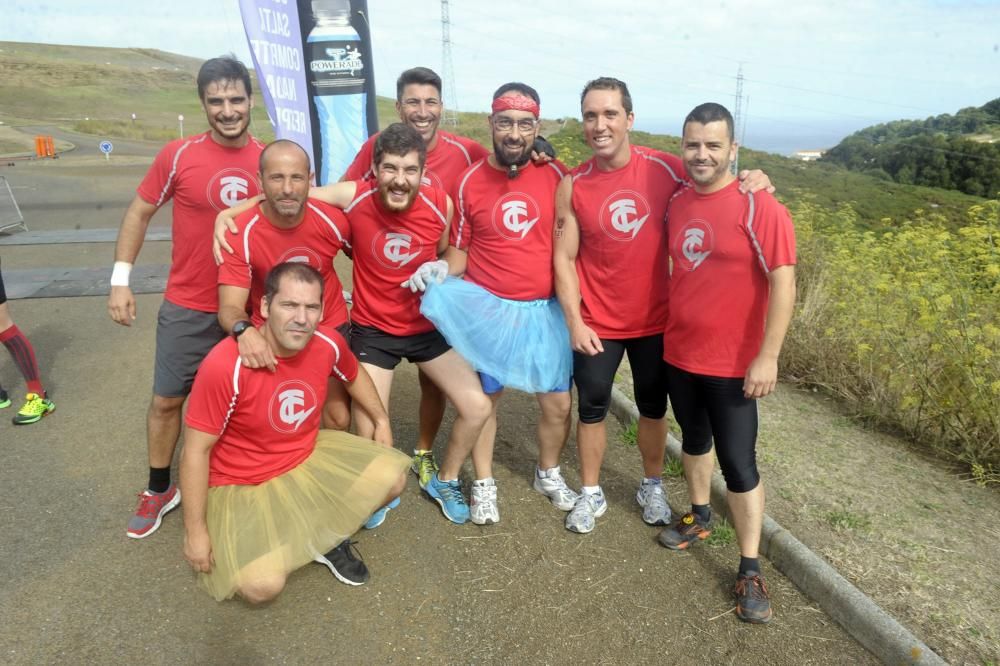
[
  {"x": 482, "y": 452},
  {"x": 553, "y": 427},
  {"x": 698, "y": 472},
  {"x": 163, "y": 427},
  {"x": 748, "y": 518},
  {"x": 382, "y": 379},
  {"x": 337, "y": 410},
  {"x": 591, "y": 441},
  {"x": 462, "y": 387},
  {"x": 432, "y": 405},
  {"x": 652, "y": 440}
]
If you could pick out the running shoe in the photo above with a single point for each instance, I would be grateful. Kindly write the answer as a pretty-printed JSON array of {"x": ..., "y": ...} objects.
[
  {"x": 346, "y": 564},
  {"x": 152, "y": 507},
  {"x": 753, "y": 604},
  {"x": 687, "y": 530},
  {"x": 4, "y": 399},
  {"x": 483, "y": 508},
  {"x": 553, "y": 486},
  {"x": 449, "y": 495},
  {"x": 424, "y": 467},
  {"x": 34, "y": 408},
  {"x": 653, "y": 500},
  {"x": 588, "y": 508},
  {"x": 378, "y": 517}
]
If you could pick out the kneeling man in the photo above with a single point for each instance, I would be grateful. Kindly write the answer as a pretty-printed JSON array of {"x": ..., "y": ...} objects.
[{"x": 265, "y": 491}]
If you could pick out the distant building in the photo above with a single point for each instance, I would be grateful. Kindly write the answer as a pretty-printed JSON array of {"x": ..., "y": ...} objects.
[{"x": 808, "y": 155}]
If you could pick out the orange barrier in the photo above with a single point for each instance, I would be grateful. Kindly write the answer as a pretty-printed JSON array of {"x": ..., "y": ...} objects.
[{"x": 45, "y": 146}]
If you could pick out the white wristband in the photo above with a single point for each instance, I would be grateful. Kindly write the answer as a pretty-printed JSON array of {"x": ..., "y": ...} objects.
[{"x": 120, "y": 273}]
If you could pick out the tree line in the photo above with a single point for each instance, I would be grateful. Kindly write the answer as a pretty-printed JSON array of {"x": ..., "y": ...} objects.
[{"x": 936, "y": 152}]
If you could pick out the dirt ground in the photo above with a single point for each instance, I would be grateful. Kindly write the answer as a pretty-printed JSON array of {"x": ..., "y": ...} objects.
[
  {"x": 917, "y": 537},
  {"x": 75, "y": 589}
]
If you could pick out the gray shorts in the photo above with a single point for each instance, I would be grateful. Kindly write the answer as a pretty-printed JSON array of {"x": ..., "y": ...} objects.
[{"x": 183, "y": 339}]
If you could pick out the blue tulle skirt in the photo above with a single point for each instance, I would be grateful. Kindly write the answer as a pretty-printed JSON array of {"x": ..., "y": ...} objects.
[{"x": 523, "y": 344}]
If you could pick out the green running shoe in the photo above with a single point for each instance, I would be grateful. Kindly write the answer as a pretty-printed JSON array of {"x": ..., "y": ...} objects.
[{"x": 34, "y": 408}]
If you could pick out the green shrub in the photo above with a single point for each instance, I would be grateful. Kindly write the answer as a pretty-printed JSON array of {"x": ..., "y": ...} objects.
[{"x": 905, "y": 325}]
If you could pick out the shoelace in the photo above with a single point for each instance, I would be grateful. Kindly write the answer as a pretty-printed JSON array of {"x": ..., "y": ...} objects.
[
  {"x": 451, "y": 493},
  {"x": 147, "y": 505},
  {"x": 756, "y": 584},
  {"x": 351, "y": 551},
  {"x": 33, "y": 405}
]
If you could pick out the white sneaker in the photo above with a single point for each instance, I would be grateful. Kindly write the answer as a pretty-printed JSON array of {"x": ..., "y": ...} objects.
[
  {"x": 653, "y": 500},
  {"x": 554, "y": 487},
  {"x": 483, "y": 508},
  {"x": 588, "y": 508}
]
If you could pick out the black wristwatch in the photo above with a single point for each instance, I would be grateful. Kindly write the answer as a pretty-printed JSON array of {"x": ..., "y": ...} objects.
[{"x": 240, "y": 327}]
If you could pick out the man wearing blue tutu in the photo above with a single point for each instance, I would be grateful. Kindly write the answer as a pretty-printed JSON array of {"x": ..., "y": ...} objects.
[
  {"x": 265, "y": 491},
  {"x": 503, "y": 318}
]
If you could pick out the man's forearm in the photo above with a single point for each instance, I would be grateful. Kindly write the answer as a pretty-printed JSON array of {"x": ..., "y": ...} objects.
[
  {"x": 194, "y": 485},
  {"x": 781, "y": 305},
  {"x": 568, "y": 289}
]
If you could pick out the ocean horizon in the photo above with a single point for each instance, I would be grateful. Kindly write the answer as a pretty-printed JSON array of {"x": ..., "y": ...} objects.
[{"x": 776, "y": 137}]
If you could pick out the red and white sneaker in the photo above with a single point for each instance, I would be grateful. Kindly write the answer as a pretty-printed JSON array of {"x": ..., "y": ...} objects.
[{"x": 152, "y": 507}]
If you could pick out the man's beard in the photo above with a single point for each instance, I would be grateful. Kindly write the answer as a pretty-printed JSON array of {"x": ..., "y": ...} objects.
[
  {"x": 383, "y": 193},
  {"x": 506, "y": 160}
]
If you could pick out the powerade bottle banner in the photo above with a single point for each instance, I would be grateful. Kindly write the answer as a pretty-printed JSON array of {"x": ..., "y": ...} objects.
[{"x": 336, "y": 75}]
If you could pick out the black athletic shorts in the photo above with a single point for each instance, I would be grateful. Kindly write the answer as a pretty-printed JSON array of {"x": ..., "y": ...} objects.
[
  {"x": 3, "y": 292},
  {"x": 595, "y": 375},
  {"x": 385, "y": 350},
  {"x": 708, "y": 408}
]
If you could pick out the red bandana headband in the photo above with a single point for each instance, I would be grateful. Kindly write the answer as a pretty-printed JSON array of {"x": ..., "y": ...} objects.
[{"x": 516, "y": 103}]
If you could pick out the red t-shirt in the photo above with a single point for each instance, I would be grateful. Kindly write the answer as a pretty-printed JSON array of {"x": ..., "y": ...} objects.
[
  {"x": 722, "y": 246},
  {"x": 204, "y": 179},
  {"x": 445, "y": 163},
  {"x": 505, "y": 225},
  {"x": 267, "y": 422},
  {"x": 622, "y": 259},
  {"x": 260, "y": 246},
  {"x": 388, "y": 248}
]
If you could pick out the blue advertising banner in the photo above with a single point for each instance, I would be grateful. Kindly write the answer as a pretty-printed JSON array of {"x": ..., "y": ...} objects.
[
  {"x": 313, "y": 59},
  {"x": 272, "y": 28}
]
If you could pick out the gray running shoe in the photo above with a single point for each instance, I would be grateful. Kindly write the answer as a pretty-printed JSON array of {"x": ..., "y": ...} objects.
[
  {"x": 554, "y": 487},
  {"x": 653, "y": 500},
  {"x": 483, "y": 508},
  {"x": 587, "y": 509}
]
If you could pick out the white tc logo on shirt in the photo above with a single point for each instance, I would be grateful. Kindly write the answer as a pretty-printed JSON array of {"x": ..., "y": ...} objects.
[
  {"x": 622, "y": 215},
  {"x": 397, "y": 248},
  {"x": 292, "y": 401},
  {"x": 234, "y": 189},
  {"x": 693, "y": 244},
  {"x": 229, "y": 187},
  {"x": 514, "y": 215},
  {"x": 291, "y": 404}
]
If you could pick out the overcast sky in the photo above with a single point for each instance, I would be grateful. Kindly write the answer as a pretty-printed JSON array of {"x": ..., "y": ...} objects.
[{"x": 809, "y": 67}]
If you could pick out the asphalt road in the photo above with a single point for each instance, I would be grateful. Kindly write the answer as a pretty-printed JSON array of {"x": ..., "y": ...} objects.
[{"x": 75, "y": 589}]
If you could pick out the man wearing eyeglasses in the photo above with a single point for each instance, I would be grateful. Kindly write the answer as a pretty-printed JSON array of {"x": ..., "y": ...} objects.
[{"x": 502, "y": 242}]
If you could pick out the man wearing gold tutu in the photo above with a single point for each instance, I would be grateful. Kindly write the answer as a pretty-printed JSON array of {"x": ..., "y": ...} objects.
[{"x": 265, "y": 491}]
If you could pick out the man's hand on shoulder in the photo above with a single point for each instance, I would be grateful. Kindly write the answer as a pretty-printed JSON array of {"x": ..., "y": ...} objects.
[
  {"x": 755, "y": 181},
  {"x": 255, "y": 352}
]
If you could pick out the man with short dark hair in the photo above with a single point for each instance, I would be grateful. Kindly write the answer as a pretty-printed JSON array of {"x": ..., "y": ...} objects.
[
  {"x": 420, "y": 105},
  {"x": 732, "y": 292},
  {"x": 203, "y": 174},
  {"x": 265, "y": 491}
]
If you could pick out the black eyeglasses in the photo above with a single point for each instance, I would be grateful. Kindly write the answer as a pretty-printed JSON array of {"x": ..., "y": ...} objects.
[{"x": 506, "y": 124}]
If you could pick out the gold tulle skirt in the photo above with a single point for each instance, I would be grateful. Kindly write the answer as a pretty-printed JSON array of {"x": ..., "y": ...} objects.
[{"x": 282, "y": 524}]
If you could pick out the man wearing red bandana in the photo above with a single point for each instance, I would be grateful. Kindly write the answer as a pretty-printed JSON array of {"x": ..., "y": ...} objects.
[{"x": 502, "y": 244}]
